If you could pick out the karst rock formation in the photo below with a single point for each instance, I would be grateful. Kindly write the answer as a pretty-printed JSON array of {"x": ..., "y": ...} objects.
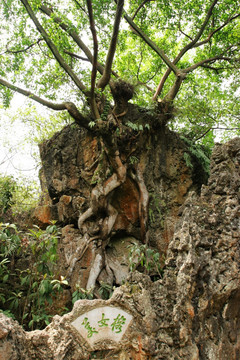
[{"x": 193, "y": 311}]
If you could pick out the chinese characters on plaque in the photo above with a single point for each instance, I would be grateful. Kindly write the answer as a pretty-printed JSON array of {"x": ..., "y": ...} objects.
[{"x": 103, "y": 323}]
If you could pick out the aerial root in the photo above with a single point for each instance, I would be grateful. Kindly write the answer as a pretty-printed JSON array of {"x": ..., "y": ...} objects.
[
  {"x": 100, "y": 200},
  {"x": 143, "y": 204}
]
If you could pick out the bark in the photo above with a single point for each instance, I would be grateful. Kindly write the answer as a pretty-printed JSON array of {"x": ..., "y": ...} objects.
[
  {"x": 80, "y": 251},
  {"x": 69, "y": 106},
  {"x": 174, "y": 90},
  {"x": 95, "y": 269},
  {"x": 53, "y": 48},
  {"x": 104, "y": 80},
  {"x": 152, "y": 45},
  {"x": 94, "y": 62},
  {"x": 73, "y": 35},
  {"x": 143, "y": 204},
  {"x": 185, "y": 49},
  {"x": 100, "y": 201}
]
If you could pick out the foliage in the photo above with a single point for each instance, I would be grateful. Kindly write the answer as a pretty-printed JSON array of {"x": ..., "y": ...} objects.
[
  {"x": 199, "y": 152},
  {"x": 46, "y": 48},
  {"x": 18, "y": 195},
  {"x": 105, "y": 290},
  {"x": 40, "y": 125},
  {"x": 27, "y": 285},
  {"x": 141, "y": 256},
  {"x": 7, "y": 190},
  {"x": 81, "y": 293},
  {"x": 209, "y": 112}
]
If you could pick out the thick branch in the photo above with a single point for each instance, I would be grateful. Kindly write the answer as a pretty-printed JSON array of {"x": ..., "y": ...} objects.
[
  {"x": 95, "y": 46},
  {"x": 69, "y": 106},
  {"x": 104, "y": 80},
  {"x": 201, "y": 30},
  {"x": 76, "y": 56},
  {"x": 72, "y": 33},
  {"x": 174, "y": 89},
  {"x": 94, "y": 63},
  {"x": 53, "y": 48},
  {"x": 161, "y": 84}
]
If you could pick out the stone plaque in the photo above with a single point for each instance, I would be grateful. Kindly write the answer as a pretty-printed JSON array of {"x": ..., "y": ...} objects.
[{"x": 103, "y": 324}]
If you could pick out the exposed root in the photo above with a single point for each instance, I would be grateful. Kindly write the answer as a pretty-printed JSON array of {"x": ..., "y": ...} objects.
[
  {"x": 84, "y": 217},
  {"x": 108, "y": 222},
  {"x": 96, "y": 268},
  {"x": 100, "y": 200},
  {"x": 80, "y": 251},
  {"x": 143, "y": 204},
  {"x": 99, "y": 194}
]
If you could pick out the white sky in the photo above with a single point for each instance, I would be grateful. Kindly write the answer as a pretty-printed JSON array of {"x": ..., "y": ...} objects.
[{"x": 15, "y": 155}]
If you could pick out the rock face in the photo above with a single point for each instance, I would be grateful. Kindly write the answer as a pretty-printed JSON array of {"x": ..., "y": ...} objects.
[
  {"x": 191, "y": 313},
  {"x": 70, "y": 169},
  {"x": 200, "y": 292}
]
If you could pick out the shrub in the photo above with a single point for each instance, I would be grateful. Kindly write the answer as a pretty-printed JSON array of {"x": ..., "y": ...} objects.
[{"x": 27, "y": 284}]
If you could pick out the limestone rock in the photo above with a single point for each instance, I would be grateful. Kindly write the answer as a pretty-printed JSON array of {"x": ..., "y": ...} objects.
[
  {"x": 69, "y": 172},
  {"x": 191, "y": 313}
]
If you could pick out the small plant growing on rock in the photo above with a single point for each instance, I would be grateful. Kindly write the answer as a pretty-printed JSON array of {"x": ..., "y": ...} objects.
[
  {"x": 146, "y": 259},
  {"x": 81, "y": 293},
  {"x": 105, "y": 290}
]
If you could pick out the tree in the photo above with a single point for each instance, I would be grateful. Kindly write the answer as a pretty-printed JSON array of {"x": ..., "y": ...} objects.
[{"x": 161, "y": 53}]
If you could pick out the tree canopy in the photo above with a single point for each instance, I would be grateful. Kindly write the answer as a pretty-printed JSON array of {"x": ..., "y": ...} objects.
[{"x": 64, "y": 54}]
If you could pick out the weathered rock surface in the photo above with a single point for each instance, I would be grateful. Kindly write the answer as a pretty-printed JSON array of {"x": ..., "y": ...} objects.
[
  {"x": 70, "y": 168},
  {"x": 191, "y": 313}
]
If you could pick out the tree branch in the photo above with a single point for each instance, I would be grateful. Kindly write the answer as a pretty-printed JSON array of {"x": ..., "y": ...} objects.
[
  {"x": 152, "y": 45},
  {"x": 181, "y": 31},
  {"x": 49, "y": 12},
  {"x": 80, "y": 7},
  {"x": 206, "y": 61},
  {"x": 139, "y": 7},
  {"x": 69, "y": 106},
  {"x": 23, "y": 50},
  {"x": 76, "y": 56},
  {"x": 53, "y": 48},
  {"x": 104, "y": 80},
  {"x": 215, "y": 128},
  {"x": 94, "y": 62},
  {"x": 174, "y": 89},
  {"x": 185, "y": 49},
  {"x": 86, "y": 59},
  {"x": 200, "y": 43}
]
